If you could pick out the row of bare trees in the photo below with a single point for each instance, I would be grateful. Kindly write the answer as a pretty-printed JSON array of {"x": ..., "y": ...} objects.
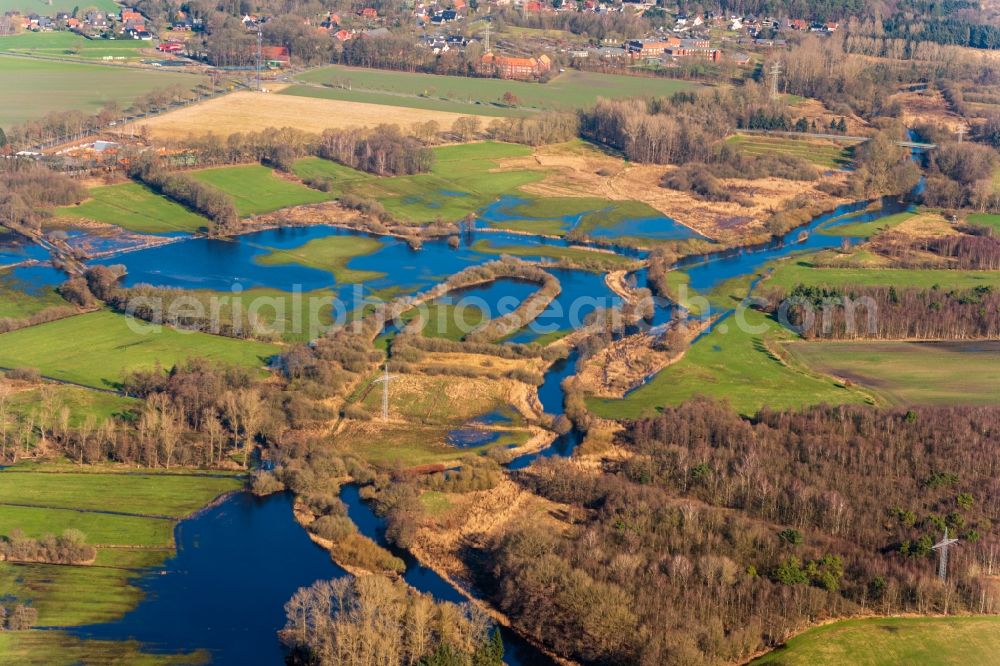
[
  {"x": 890, "y": 313},
  {"x": 372, "y": 620},
  {"x": 717, "y": 536}
]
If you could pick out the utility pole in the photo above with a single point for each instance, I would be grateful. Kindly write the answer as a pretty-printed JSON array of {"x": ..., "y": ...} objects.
[
  {"x": 775, "y": 74},
  {"x": 260, "y": 38},
  {"x": 960, "y": 131}
]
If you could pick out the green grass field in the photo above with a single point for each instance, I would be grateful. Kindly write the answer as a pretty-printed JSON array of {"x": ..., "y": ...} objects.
[
  {"x": 865, "y": 229},
  {"x": 98, "y": 348},
  {"x": 70, "y": 44},
  {"x": 171, "y": 495},
  {"x": 57, "y": 648},
  {"x": 317, "y": 167},
  {"x": 413, "y": 445},
  {"x": 75, "y": 595},
  {"x": 568, "y": 91},
  {"x": 427, "y": 401},
  {"x": 986, "y": 219},
  {"x": 136, "y": 208},
  {"x": 82, "y": 403},
  {"x": 332, "y": 254},
  {"x": 732, "y": 364},
  {"x": 43, "y": 8},
  {"x": 792, "y": 272},
  {"x": 63, "y": 86},
  {"x": 911, "y": 373},
  {"x": 18, "y": 301},
  {"x": 821, "y": 153},
  {"x": 410, "y": 101},
  {"x": 459, "y": 183},
  {"x": 592, "y": 259},
  {"x": 930, "y": 641},
  {"x": 257, "y": 189}
]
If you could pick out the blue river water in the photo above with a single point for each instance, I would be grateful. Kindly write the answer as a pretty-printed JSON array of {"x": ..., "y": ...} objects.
[
  {"x": 517, "y": 652},
  {"x": 238, "y": 562}
]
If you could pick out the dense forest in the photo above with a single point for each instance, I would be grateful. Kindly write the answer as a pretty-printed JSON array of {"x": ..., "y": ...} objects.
[
  {"x": 889, "y": 313},
  {"x": 717, "y": 536}
]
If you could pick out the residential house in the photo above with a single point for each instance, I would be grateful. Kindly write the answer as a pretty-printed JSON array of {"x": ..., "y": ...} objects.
[{"x": 276, "y": 56}]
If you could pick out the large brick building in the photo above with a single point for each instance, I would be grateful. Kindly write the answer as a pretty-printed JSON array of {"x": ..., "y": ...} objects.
[{"x": 506, "y": 67}]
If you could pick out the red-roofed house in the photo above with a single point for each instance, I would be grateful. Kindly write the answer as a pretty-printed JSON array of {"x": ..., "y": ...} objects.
[
  {"x": 506, "y": 67},
  {"x": 342, "y": 35},
  {"x": 368, "y": 12},
  {"x": 276, "y": 56}
]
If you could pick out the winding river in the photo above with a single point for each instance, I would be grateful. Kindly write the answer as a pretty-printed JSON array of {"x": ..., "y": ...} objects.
[{"x": 240, "y": 560}]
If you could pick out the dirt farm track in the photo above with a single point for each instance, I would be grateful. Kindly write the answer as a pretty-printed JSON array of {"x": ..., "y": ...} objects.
[{"x": 252, "y": 111}]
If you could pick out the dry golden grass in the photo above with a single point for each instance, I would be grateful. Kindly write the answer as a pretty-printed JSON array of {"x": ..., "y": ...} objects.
[
  {"x": 928, "y": 107},
  {"x": 926, "y": 225},
  {"x": 250, "y": 111},
  {"x": 575, "y": 170},
  {"x": 813, "y": 109}
]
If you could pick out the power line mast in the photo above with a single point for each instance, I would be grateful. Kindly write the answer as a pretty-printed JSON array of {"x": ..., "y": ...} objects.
[
  {"x": 260, "y": 39},
  {"x": 942, "y": 547},
  {"x": 775, "y": 75},
  {"x": 385, "y": 379},
  {"x": 486, "y": 39}
]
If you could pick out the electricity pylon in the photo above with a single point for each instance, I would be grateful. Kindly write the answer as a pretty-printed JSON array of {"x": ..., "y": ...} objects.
[
  {"x": 942, "y": 547},
  {"x": 385, "y": 379}
]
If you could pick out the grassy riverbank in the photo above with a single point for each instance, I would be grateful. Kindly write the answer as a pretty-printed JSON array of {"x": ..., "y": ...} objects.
[
  {"x": 129, "y": 517},
  {"x": 99, "y": 348},
  {"x": 135, "y": 207},
  {"x": 738, "y": 362},
  {"x": 910, "y": 373},
  {"x": 589, "y": 259},
  {"x": 20, "y": 301},
  {"x": 929, "y": 641},
  {"x": 332, "y": 254},
  {"x": 258, "y": 189}
]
